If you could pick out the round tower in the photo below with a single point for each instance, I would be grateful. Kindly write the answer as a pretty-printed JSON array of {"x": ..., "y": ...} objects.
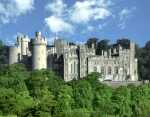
[
  {"x": 39, "y": 52},
  {"x": 14, "y": 54}
]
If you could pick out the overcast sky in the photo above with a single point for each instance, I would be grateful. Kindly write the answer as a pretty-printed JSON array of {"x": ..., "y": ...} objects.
[{"x": 76, "y": 20}]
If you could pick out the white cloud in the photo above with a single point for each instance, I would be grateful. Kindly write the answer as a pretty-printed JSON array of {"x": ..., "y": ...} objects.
[
  {"x": 101, "y": 26},
  {"x": 57, "y": 24},
  {"x": 11, "y": 9},
  {"x": 101, "y": 13},
  {"x": 124, "y": 15},
  {"x": 90, "y": 28},
  {"x": 85, "y": 11},
  {"x": 82, "y": 12},
  {"x": 24, "y": 5},
  {"x": 66, "y": 18},
  {"x": 57, "y": 7}
]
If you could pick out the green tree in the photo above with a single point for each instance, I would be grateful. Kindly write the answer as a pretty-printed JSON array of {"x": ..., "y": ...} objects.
[
  {"x": 144, "y": 62},
  {"x": 83, "y": 95},
  {"x": 80, "y": 112},
  {"x": 102, "y": 45},
  {"x": 92, "y": 41},
  {"x": 3, "y": 54},
  {"x": 65, "y": 98},
  {"x": 121, "y": 100},
  {"x": 102, "y": 100},
  {"x": 17, "y": 71},
  {"x": 125, "y": 43},
  {"x": 141, "y": 101},
  {"x": 94, "y": 79},
  {"x": 12, "y": 103},
  {"x": 64, "y": 101}
]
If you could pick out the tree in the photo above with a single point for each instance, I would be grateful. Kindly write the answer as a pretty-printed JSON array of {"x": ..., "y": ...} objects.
[
  {"x": 144, "y": 62},
  {"x": 3, "y": 54},
  {"x": 13, "y": 103},
  {"x": 92, "y": 41},
  {"x": 65, "y": 98},
  {"x": 39, "y": 90},
  {"x": 121, "y": 100},
  {"x": 102, "y": 100},
  {"x": 80, "y": 112},
  {"x": 65, "y": 101},
  {"x": 140, "y": 101},
  {"x": 102, "y": 45},
  {"x": 94, "y": 79},
  {"x": 125, "y": 43},
  {"x": 83, "y": 95}
]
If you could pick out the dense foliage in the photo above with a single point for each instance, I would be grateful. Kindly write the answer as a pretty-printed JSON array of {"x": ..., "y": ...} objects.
[
  {"x": 3, "y": 54},
  {"x": 44, "y": 94}
]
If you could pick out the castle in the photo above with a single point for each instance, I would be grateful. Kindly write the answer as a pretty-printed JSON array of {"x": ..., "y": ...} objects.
[{"x": 75, "y": 61}]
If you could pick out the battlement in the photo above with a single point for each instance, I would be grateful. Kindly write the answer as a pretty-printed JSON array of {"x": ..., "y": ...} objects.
[
  {"x": 74, "y": 61},
  {"x": 39, "y": 40}
]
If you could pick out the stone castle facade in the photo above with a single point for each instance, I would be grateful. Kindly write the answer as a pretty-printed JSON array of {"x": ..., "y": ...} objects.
[{"x": 75, "y": 61}]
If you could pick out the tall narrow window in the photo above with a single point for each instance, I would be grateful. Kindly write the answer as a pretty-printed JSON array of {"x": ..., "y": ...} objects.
[
  {"x": 109, "y": 71},
  {"x": 116, "y": 70}
]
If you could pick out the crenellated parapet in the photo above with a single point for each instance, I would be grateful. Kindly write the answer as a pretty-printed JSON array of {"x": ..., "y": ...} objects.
[
  {"x": 39, "y": 52},
  {"x": 74, "y": 61}
]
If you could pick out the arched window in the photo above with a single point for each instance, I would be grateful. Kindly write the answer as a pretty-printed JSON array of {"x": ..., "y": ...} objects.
[{"x": 109, "y": 70}]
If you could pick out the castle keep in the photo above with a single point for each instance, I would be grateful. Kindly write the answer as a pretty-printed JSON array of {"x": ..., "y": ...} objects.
[{"x": 75, "y": 61}]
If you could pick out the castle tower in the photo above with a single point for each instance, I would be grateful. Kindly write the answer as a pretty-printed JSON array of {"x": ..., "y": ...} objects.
[
  {"x": 14, "y": 54},
  {"x": 83, "y": 61},
  {"x": 133, "y": 63},
  {"x": 39, "y": 52},
  {"x": 24, "y": 45}
]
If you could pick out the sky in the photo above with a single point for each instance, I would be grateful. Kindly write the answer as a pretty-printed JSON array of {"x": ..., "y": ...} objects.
[{"x": 76, "y": 20}]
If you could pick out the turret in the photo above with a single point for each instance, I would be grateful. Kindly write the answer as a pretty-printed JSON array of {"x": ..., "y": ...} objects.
[
  {"x": 39, "y": 52},
  {"x": 83, "y": 61},
  {"x": 14, "y": 54},
  {"x": 23, "y": 44},
  {"x": 133, "y": 63}
]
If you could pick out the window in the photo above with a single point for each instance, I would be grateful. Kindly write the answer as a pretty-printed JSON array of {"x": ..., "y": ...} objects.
[
  {"x": 116, "y": 70},
  {"x": 109, "y": 71}
]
